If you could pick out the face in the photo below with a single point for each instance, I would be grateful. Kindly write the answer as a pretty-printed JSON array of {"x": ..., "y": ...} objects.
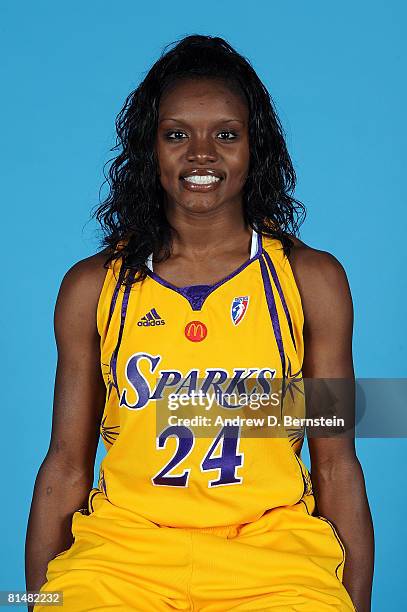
[{"x": 202, "y": 145}]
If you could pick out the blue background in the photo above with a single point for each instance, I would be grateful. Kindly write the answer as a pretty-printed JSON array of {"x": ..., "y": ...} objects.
[{"x": 335, "y": 73}]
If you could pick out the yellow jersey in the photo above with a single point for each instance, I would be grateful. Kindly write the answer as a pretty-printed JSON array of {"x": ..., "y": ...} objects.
[{"x": 159, "y": 341}]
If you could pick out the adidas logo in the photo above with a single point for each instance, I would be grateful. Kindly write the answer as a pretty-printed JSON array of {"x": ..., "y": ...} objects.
[{"x": 150, "y": 319}]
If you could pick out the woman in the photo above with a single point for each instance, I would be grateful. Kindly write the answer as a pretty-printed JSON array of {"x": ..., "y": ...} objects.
[{"x": 206, "y": 286}]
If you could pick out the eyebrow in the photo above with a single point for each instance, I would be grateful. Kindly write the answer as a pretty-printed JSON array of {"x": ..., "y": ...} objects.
[{"x": 218, "y": 121}]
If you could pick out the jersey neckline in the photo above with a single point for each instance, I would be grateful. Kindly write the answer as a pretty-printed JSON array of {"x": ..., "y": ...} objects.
[{"x": 197, "y": 294}]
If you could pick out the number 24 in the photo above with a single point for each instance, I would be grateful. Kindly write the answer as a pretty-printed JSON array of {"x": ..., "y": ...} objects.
[{"x": 227, "y": 462}]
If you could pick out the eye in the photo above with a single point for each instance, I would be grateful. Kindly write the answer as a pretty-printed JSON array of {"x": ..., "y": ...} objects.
[
  {"x": 175, "y": 135},
  {"x": 227, "y": 135}
]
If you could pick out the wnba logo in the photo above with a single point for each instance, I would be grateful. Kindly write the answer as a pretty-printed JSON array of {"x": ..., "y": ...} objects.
[{"x": 196, "y": 331}]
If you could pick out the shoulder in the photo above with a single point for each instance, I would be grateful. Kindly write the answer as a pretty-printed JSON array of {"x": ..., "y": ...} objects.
[
  {"x": 321, "y": 280},
  {"x": 87, "y": 273},
  {"x": 81, "y": 287},
  {"x": 314, "y": 264}
]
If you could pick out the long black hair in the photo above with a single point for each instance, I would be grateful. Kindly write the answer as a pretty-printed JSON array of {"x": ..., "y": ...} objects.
[{"x": 133, "y": 215}]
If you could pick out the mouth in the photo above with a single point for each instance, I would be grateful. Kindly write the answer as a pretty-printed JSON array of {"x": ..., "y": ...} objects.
[{"x": 201, "y": 179}]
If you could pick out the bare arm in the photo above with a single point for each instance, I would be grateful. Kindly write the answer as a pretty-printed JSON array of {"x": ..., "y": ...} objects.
[
  {"x": 336, "y": 473},
  {"x": 66, "y": 474}
]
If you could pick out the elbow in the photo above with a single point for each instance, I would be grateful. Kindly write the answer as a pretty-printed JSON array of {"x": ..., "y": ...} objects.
[
  {"x": 337, "y": 468},
  {"x": 66, "y": 468}
]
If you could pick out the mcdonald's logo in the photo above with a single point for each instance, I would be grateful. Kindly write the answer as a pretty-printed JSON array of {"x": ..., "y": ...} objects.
[{"x": 196, "y": 331}]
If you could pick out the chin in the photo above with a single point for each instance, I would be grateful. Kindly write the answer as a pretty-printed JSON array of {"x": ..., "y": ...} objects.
[{"x": 200, "y": 205}]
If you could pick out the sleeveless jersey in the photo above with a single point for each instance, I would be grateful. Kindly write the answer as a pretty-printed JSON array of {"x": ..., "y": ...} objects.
[{"x": 158, "y": 339}]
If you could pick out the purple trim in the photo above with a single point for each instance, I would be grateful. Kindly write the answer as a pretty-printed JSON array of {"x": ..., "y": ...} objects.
[
  {"x": 281, "y": 294},
  {"x": 273, "y": 313},
  {"x": 114, "y": 299},
  {"x": 125, "y": 303},
  {"x": 197, "y": 298},
  {"x": 196, "y": 294}
]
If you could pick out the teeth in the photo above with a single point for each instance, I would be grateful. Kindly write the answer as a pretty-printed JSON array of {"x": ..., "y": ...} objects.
[{"x": 206, "y": 179}]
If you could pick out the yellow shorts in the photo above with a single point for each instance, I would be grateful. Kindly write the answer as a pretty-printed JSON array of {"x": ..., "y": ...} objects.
[{"x": 286, "y": 560}]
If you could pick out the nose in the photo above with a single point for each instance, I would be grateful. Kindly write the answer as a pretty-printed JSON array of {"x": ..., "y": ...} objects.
[{"x": 201, "y": 149}]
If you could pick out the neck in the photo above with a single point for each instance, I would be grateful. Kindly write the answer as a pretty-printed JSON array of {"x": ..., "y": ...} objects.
[{"x": 196, "y": 236}]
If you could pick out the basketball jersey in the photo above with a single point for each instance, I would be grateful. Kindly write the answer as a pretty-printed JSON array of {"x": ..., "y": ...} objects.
[{"x": 158, "y": 340}]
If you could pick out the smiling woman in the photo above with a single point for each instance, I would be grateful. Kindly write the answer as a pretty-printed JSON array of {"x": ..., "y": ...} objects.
[
  {"x": 160, "y": 136},
  {"x": 201, "y": 292},
  {"x": 207, "y": 119}
]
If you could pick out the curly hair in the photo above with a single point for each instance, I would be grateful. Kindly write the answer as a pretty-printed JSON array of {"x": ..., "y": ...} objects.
[{"x": 132, "y": 217}]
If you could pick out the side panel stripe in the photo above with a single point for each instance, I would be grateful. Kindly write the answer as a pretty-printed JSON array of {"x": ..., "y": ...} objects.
[
  {"x": 273, "y": 312},
  {"x": 125, "y": 302},
  {"x": 114, "y": 299},
  {"x": 281, "y": 294}
]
